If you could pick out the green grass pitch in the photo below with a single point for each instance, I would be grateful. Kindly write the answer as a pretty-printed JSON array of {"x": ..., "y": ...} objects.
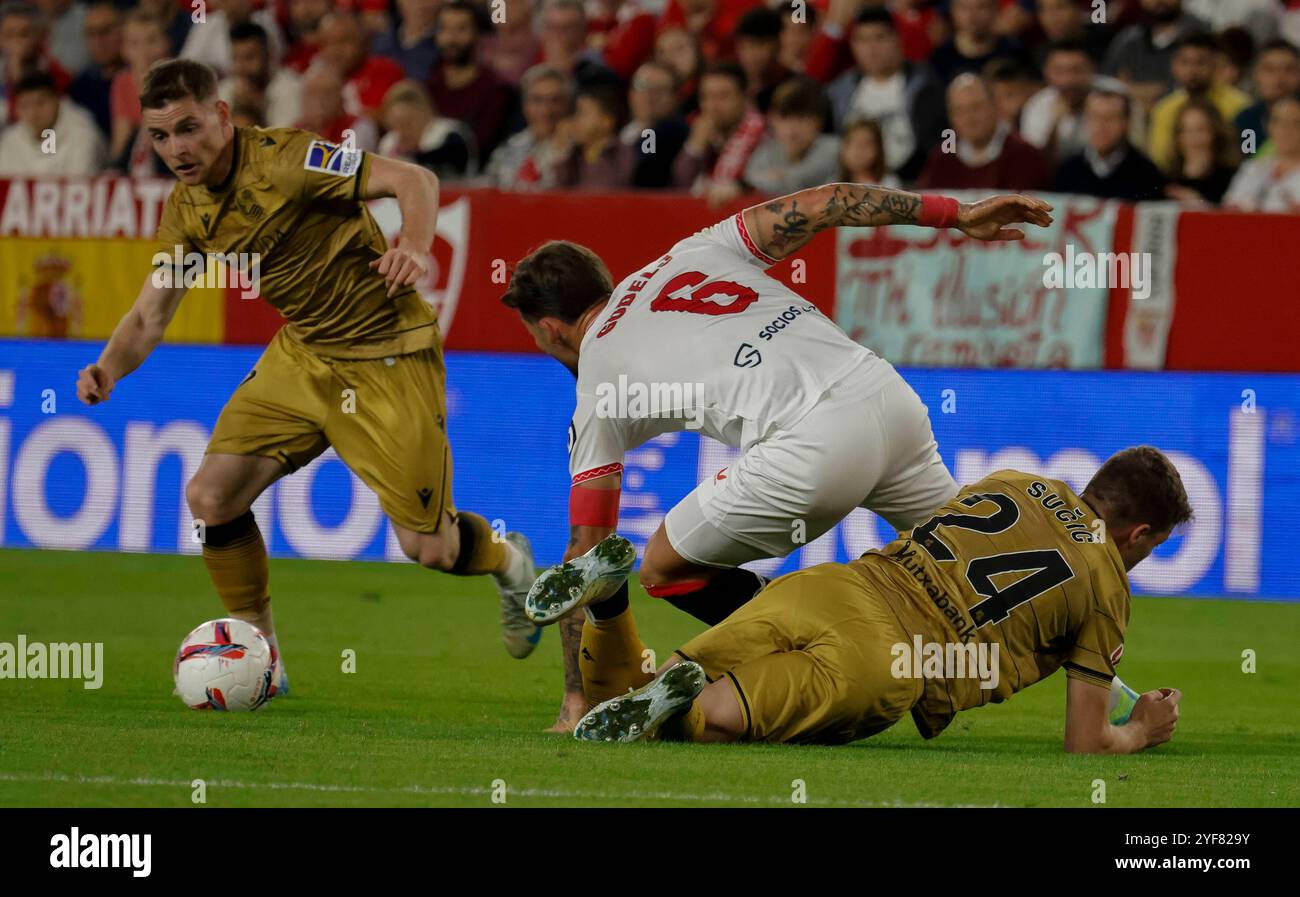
[{"x": 437, "y": 712}]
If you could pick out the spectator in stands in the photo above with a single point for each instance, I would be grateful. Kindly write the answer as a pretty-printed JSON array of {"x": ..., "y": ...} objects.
[
  {"x": 305, "y": 18},
  {"x": 712, "y": 22},
  {"x": 50, "y": 137},
  {"x": 1272, "y": 184},
  {"x": 144, "y": 42},
  {"x": 655, "y": 132},
  {"x": 276, "y": 92},
  {"x": 527, "y": 160},
  {"x": 974, "y": 40},
  {"x": 796, "y": 34},
  {"x": 1276, "y": 74},
  {"x": 247, "y": 114},
  {"x": 325, "y": 112},
  {"x": 374, "y": 16},
  {"x": 1259, "y": 18},
  {"x": 1053, "y": 117},
  {"x": 174, "y": 16},
  {"x": 921, "y": 27},
  {"x": 796, "y": 153},
  {"x": 462, "y": 87},
  {"x": 1110, "y": 166},
  {"x": 91, "y": 89},
  {"x": 564, "y": 44},
  {"x": 1069, "y": 21},
  {"x": 677, "y": 49},
  {"x": 67, "y": 29},
  {"x": 903, "y": 96},
  {"x": 724, "y": 134},
  {"x": 628, "y": 38},
  {"x": 1205, "y": 155},
  {"x": 758, "y": 44},
  {"x": 597, "y": 159},
  {"x": 513, "y": 47},
  {"x": 345, "y": 46},
  {"x": 1193, "y": 69},
  {"x": 411, "y": 41},
  {"x": 1234, "y": 51},
  {"x": 417, "y": 133},
  {"x": 209, "y": 42},
  {"x": 862, "y": 155},
  {"x": 987, "y": 155},
  {"x": 1142, "y": 55},
  {"x": 22, "y": 48},
  {"x": 1013, "y": 81}
]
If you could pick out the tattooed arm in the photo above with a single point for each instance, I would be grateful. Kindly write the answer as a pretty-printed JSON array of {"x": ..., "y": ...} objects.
[{"x": 784, "y": 225}]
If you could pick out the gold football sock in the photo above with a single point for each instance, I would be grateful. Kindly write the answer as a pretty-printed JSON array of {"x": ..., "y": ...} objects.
[
  {"x": 235, "y": 556},
  {"x": 611, "y": 658},
  {"x": 688, "y": 726},
  {"x": 479, "y": 552}
]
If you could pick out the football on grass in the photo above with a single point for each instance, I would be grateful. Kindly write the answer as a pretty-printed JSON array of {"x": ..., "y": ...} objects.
[{"x": 225, "y": 665}]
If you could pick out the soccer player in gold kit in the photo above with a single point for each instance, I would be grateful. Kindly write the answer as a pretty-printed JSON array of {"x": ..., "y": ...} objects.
[
  {"x": 357, "y": 366},
  {"x": 1016, "y": 567}
]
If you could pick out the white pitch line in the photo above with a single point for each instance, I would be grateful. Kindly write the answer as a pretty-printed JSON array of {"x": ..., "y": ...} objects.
[{"x": 609, "y": 796}]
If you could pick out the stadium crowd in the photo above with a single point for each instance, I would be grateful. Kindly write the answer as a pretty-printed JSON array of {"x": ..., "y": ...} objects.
[{"x": 1192, "y": 100}]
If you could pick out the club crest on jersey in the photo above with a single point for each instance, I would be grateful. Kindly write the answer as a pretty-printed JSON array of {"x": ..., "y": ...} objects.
[{"x": 331, "y": 158}]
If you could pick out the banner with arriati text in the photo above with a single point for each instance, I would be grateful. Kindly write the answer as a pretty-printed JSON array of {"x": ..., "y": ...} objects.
[
  {"x": 939, "y": 298},
  {"x": 73, "y": 255}
]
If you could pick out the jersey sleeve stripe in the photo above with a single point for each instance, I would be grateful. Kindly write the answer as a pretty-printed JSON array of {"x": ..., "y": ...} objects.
[
  {"x": 1085, "y": 673},
  {"x": 602, "y": 471},
  {"x": 749, "y": 242}
]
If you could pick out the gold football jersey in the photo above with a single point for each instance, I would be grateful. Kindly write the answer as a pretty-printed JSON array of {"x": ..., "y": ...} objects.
[
  {"x": 295, "y": 201},
  {"x": 1015, "y": 563}
]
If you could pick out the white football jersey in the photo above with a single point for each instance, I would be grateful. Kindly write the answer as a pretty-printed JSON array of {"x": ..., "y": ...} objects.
[{"x": 702, "y": 338}]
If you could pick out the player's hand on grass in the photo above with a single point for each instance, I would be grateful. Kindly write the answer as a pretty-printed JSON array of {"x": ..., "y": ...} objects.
[
  {"x": 1157, "y": 712},
  {"x": 402, "y": 267},
  {"x": 994, "y": 218},
  {"x": 94, "y": 384}
]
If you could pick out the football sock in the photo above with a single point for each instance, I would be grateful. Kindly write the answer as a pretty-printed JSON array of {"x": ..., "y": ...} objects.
[
  {"x": 515, "y": 568},
  {"x": 688, "y": 726},
  {"x": 612, "y": 606},
  {"x": 479, "y": 552},
  {"x": 711, "y": 601},
  {"x": 1122, "y": 701},
  {"x": 611, "y": 658},
  {"x": 235, "y": 556}
]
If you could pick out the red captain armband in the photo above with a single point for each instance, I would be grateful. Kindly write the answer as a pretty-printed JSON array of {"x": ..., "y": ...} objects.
[
  {"x": 938, "y": 211},
  {"x": 594, "y": 507}
]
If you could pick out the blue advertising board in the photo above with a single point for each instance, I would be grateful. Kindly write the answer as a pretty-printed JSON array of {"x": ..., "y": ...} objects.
[{"x": 112, "y": 477}]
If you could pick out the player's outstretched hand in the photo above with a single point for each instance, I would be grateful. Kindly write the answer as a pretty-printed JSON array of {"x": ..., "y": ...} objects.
[
  {"x": 991, "y": 219},
  {"x": 1157, "y": 712},
  {"x": 94, "y": 384},
  {"x": 401, "y": 267}
]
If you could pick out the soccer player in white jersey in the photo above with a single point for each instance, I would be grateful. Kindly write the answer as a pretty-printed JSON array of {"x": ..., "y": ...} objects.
[{"x": 703, "y": 338}]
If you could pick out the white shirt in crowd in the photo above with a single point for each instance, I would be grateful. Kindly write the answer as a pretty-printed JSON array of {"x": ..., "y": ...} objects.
[
  {"x": 283, "y": 97},
  {"x": 77, "y": 144},
  {"x": 886, "y": 102},
  {"x": 1038, "y": 124},
  {"x": 1257, "y": 187},
  {"x": 209, "y": 42},
  {"x": 745, "y": 354}
]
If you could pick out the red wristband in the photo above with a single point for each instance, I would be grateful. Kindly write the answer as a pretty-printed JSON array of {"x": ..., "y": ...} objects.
[{"x": 938, "y": 211}]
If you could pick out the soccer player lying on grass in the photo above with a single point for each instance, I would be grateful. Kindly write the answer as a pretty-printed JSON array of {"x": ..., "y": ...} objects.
[
  {"x": 1014, "y": 578},
  {"x": 358, "y": 365},
  {"x": 717, "y": 345}
]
